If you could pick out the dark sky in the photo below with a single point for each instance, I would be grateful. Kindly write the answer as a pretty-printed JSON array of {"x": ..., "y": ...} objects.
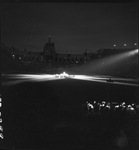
[{"x": 72, "y": 26}]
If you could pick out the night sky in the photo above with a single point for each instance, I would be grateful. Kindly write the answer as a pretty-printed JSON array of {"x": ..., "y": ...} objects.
[{"x": 73, "y": 27}]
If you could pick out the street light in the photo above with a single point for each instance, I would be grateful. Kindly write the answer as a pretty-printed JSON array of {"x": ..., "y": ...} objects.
[{"x": 125, "y": 44}]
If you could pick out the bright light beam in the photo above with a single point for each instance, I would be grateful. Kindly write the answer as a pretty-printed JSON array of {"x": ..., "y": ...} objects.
[
  {"x": 107, "y": 64},
  {"x": 20, "y": 78},
  {"x": 119, "y": 57},
  {"x": 104, "y": 80}
]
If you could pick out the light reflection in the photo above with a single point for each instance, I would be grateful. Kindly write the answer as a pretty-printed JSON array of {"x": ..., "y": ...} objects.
[
  {"x": 122, "y": 81},
  {"x": 19, "y": 78}
]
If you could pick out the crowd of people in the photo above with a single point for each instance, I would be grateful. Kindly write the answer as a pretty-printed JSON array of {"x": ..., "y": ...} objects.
[
  {"x": 116, "y": 107},
  {"x": 120, "y": 119}
]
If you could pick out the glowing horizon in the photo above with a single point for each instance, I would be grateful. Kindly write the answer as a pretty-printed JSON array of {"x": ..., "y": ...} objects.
[{"x": 20, "y": 78}]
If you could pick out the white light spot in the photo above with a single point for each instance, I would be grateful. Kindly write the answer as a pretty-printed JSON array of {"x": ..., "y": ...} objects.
[
  {"x": 117, "y": 106},
  {"x": 90, "y": 106},
  {"x": 132, "y": 108},
  {"x": 123, "y": 103},
  {"x": 129, "y": 106},
  {"x": 1, "y": 136},
  {"x": 108, "y": 106},
  {"x": 1, "y": 128}
]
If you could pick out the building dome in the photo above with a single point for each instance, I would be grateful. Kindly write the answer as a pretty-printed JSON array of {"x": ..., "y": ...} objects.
[{"x": 49, "y": 50}]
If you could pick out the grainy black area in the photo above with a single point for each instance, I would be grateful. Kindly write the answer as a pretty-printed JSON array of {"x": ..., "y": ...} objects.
[{"x": 49, "y": 115}]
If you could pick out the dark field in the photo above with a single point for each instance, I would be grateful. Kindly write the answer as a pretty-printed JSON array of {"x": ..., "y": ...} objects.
[{"x": 50, "y": 115}]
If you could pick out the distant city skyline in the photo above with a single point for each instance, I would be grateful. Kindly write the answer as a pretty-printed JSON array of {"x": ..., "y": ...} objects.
[{"x": 73, "y": 27}]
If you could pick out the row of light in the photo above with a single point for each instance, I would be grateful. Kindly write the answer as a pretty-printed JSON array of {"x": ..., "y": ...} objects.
[
  {"x": 19, "y": 78},
  {"x": 1, "y": 128},
  {"x": 115, "y": 105},
  {"x": 63, "y": 75},
  {"x": 135, "y": 44}
]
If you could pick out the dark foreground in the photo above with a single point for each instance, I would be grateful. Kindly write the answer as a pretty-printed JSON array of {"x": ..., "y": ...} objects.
[{"x": 51, "y": 115}]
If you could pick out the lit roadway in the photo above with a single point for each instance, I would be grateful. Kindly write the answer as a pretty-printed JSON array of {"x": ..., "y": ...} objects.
[{"x": 11, "y": 79}]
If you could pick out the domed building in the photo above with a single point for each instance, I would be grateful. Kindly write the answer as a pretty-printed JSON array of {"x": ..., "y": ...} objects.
[
  {"x": 49, "y": 52},
  {"x": 51, "y": 56}
]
